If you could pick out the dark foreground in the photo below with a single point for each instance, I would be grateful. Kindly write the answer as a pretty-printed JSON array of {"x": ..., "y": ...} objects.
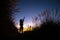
[{"x": 46, "y": 31}]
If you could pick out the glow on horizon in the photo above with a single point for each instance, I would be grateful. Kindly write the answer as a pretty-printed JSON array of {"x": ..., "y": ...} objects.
[
  {"x": 25, "y": 25},
  {"x": 28, "y": 26}
]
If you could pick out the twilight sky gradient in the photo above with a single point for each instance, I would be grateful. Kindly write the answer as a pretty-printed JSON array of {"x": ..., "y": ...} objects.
[{"x": 31, "y": 8}]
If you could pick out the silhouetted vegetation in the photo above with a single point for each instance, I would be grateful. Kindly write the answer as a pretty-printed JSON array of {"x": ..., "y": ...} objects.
[
  {"x": 7, "y": 28},
  {"x": 48, "y": 29}
]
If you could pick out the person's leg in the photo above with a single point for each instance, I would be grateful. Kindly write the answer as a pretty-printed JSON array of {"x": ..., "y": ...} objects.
[{"x": 21, "y": 28}]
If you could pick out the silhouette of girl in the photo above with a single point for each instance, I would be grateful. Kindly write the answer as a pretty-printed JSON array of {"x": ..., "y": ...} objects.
[{"x": 21, "y": 24}]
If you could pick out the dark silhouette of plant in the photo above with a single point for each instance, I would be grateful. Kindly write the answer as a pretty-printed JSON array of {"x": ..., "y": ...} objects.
[
  {"x": 7, "y": 27},
  {"x": 50, "y": 15}
]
